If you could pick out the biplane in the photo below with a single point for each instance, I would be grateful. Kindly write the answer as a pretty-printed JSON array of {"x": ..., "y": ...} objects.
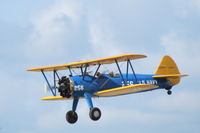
[{"x": 86, "y": 85}]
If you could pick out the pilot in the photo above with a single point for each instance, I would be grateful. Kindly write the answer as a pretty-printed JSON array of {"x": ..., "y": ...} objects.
[
  {"x": 111, "y": 74},
  {"x": 99, "y": 75}
]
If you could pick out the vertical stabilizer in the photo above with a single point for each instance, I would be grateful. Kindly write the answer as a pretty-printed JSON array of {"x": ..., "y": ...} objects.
[{"x": 167, "y": 67}]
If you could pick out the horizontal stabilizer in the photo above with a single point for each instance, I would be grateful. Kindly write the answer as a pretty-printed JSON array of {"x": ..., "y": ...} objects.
[
  {"x": 55, "y": 98},
  {"x": 170, "y": 76},
  {"x": 126, "y": 90}
]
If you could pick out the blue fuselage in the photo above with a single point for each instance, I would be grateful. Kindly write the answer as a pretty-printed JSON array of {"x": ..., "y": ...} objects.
[{"x": 92, "y": 84}]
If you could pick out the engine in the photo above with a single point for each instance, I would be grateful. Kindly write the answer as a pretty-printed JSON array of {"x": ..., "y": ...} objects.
[{"x": 64, "y": 87}]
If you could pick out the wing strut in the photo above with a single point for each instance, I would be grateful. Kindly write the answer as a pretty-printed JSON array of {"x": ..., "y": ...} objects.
[
  {"x": 54, "y": 80},
  {"x": 57, "y": 75},
  {"x": 70, "y": 71},
  {"x": 129, "y": 62},
  {"x": 127, "y": 67},
  {"x": 97, "y": 70},
  {"x": 120, "y": 71},
  {"x": 53, "y": 92},
  {"x": 81, "y": 69},
  {"x": 85, "y": 71}
]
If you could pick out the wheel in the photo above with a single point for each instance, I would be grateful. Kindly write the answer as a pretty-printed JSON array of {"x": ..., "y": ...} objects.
[
  {"x": 95, "y": 114},
  {"x": 71, "y": 117},
  {"x": 169, "y": 92}
]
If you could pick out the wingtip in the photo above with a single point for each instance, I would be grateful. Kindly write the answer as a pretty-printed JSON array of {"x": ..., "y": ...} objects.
[{"x": 28, "y": 69}]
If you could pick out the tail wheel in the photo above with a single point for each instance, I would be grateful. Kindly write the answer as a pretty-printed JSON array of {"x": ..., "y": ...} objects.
[
  {"x": 95, "y": 114},
  {"x": 71, "y": 117},
  {"x": 169, "y": 92}
]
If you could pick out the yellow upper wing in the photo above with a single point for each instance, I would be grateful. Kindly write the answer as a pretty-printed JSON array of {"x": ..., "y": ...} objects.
[
  {"x": 107, "y": 60},
  {"x": 126, "y": 90}
]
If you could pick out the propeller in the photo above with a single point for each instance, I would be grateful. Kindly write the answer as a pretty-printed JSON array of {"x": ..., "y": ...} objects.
[{"x": 47, "y": 89}]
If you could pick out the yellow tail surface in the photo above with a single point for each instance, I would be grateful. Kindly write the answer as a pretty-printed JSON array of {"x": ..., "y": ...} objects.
[{"x": 169, "y": 67}]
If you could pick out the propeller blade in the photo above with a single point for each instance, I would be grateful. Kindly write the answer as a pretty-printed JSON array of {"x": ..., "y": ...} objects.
[{"x": 47, "y": 89}]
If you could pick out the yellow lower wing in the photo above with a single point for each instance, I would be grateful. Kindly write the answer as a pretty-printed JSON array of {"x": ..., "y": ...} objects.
[
  {"x": 112, "y": 92},
  {"x": 55, "y": 98},
  {"x": 126, "y": 90}
]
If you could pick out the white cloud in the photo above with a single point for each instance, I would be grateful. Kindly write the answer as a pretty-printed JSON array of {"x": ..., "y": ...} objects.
[
  {"x": 102, "y": 40},
  {"x": 53, "y": 29},
  {"x": 56, "y": 28}
]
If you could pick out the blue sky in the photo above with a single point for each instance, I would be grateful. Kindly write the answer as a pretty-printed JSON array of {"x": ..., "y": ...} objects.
[{"x": 37, "y": 33}]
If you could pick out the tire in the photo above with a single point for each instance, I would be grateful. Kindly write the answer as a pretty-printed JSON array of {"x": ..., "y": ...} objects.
[
  {"x": 95, "y": 114},
  {"x": 71, "y": 117},
  {"x": 169, "y": 92}
]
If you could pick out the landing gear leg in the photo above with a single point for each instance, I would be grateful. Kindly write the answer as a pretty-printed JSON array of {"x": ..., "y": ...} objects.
[
  {"x": 94, "y": 113},
  {"x": 71, "y": 116}
]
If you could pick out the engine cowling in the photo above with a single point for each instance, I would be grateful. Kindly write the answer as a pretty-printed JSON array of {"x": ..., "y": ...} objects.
[{"x": 64, "y": 87}]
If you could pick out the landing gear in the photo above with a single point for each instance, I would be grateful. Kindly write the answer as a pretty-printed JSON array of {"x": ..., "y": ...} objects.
[
  {"x": 95, "y": 114},
  {"x": 71, "y": 117},
  {"x": 169, "y": 92}
]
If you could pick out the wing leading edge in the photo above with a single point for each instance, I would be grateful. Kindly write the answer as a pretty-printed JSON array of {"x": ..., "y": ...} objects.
[
  {"x": 126, "y": 90},
  {"x": 55, "y": 98}
]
